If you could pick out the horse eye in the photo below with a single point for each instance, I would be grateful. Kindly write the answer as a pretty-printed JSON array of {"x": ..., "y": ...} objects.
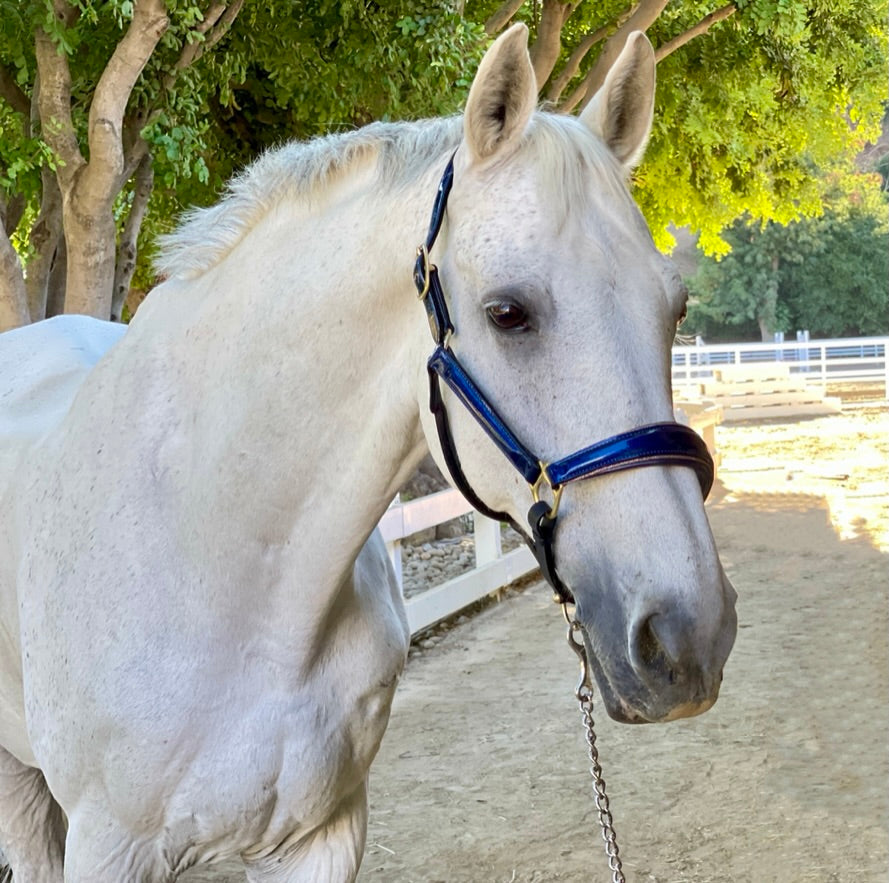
[{"x": 508, "y": 316}]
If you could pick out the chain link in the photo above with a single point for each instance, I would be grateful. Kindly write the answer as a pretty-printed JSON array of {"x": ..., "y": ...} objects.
[{"x": 584, "y": 695}]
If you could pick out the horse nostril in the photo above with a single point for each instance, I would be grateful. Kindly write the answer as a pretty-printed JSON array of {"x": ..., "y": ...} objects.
[{"x": 651, "y": 654}]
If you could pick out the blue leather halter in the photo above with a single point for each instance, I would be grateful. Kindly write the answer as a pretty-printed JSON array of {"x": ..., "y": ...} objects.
[{"x": 655, "y": 444}]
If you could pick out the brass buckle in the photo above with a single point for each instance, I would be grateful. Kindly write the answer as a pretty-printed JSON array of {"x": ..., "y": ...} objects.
[
  {"x": 423, "y": 252},
  {"x": 555, "y": 492}
]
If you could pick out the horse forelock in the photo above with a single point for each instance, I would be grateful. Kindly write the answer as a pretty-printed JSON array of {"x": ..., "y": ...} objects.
[
  {"x": 575, "y": 167},
  {"x": 572, "y": 164}
]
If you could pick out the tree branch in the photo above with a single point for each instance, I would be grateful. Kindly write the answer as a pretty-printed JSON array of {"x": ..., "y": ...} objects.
[
  {"x": 11, "y": 211},
  {"x": 701, "y": 27},
  {"x": 105, "y": 131},
  {"x": 54, "y": 98},
  {"x": 645, "y": 13},
  {"x": 557, "y": 86},
  {"x": 13, "y": 299},
  {"x": 577, "y": 94},
  {"x": 502, "y": 16},
  {"x": 12, "y": 93},
  {"x": 572, "y": 66},
  {"x": 219, "y": 18},
  {"x": 217, "y": 22},
  {"x": 45, "y": 236},
  {"x": 129, "y": 238},
  {"x": 546, "y": 48},
  {"x": 221, "y": 28}
]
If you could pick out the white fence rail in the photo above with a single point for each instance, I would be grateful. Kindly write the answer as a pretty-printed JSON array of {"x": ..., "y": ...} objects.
[
  {"x": 493, "y": 569},
  {"x": 849, "y": 360}
]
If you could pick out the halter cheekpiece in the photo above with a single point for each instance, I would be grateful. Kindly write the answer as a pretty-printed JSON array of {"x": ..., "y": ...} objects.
[{"x": 655, "y": 444}]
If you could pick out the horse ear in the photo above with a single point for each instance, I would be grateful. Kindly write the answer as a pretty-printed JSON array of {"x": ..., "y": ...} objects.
[
  {"x": 622, "y": 110},
  {"x": 502, "y": 97}
]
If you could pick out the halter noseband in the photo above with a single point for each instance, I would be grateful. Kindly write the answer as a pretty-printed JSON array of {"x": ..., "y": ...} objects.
[{"x": 655, "y": 444}]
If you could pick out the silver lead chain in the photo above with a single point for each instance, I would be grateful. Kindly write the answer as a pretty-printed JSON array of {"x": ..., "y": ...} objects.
[{"x": 584, "y": 695}]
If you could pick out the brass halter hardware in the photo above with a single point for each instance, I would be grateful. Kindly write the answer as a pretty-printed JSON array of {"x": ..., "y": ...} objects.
[
  {"x": 555, "y": 490},
  {"x": 423, "y": 252}
]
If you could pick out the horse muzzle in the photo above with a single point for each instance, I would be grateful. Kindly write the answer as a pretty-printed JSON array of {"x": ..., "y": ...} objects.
[{"x": 669, "y": 667}]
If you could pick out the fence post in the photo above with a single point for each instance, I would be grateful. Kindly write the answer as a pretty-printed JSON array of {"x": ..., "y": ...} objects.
[
  {"x": 487, "y": 539},
  {"x": 886, "y": 366}
]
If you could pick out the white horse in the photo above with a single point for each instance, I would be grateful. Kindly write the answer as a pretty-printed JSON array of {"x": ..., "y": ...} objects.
[{"x": 200, "y": 633}]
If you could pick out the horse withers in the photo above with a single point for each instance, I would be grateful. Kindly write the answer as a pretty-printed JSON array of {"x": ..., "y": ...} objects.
[{"x": 201, "y": 632}]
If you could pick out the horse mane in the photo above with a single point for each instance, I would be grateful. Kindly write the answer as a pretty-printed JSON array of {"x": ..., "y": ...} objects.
[{"x": 403, "y": 150}]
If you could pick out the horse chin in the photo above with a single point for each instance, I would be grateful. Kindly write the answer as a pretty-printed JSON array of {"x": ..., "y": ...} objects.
[
  {"x": 617, "y": 708},
  {"x": 625, "y": 711}
]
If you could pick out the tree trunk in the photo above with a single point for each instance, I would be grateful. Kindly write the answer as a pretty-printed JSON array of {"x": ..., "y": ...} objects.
[
  {"x": 768, "y": 308},
  {"x": 90, "y": 236},
  {"x": 546, "y": 48},
  {"x": 45, "y": 236},
  {"x": 55, "y": 289},
  {"x": 11, "y": 212},
  {"x": 502, "y": 16},
  {"x": 89, "y": 188},
  {"x": 128, "y": 247},
  {"x": 13, "y": 299},
  {"x": 644, "y": 15}
]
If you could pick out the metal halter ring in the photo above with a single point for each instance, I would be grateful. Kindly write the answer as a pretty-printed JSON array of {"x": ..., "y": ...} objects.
[
  {"x": 423, "y": 252},
  {"x": 555, "y": 491}
]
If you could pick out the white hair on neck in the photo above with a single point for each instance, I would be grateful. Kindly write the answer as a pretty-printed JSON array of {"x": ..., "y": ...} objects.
[{"x": 569, "y": 156}]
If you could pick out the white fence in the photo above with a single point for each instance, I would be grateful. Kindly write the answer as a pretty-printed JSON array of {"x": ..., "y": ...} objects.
[
  {"x": 493, "y": 568},
  {"x": 850, "y": 360}
]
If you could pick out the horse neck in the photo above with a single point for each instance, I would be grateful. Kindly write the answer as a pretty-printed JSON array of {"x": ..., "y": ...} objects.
[{"x": 308, "y": 344}]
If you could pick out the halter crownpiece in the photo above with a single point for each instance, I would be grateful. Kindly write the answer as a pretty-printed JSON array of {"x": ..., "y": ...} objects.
[{"x": 655, "y": 444}]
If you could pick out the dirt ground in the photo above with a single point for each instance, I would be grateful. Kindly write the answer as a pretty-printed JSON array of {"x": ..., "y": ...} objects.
[{"x": 482, "y": 775}]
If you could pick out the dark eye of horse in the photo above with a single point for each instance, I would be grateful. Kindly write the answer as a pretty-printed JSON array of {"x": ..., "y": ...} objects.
[{"x": 508, "y": 316}]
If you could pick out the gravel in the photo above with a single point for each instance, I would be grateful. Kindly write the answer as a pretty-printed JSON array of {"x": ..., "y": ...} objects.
[{"x": 426, "y": 565}]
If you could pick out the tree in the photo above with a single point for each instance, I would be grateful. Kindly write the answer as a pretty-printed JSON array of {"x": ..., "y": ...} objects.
[
  {"x": 107, "y": 104},
  {"x": 826, "y": 274},
  {"x": 752, "y": 94},
  {"x": 81, "y": 108}
]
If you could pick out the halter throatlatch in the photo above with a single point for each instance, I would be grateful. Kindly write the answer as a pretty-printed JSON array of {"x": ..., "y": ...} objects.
[{"x": 656, "y": 444}]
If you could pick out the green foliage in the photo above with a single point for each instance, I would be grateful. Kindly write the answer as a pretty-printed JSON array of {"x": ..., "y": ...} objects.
[
  {"x": 745, "y": 115},
  {"x": 828, "y": 274},
  {"x": 282, "y": 71}
]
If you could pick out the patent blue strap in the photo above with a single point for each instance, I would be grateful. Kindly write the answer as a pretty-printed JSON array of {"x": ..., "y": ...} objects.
[
  {"x": 444, "y": 363},
  {"x": 656, "y": 444}
]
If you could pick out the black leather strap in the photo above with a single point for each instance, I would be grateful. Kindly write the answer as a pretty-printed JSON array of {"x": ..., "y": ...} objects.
[{"x": 449, "y": 451}]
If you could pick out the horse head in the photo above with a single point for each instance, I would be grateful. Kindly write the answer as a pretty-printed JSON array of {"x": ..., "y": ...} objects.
[{"x": 562, "y": 312}]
